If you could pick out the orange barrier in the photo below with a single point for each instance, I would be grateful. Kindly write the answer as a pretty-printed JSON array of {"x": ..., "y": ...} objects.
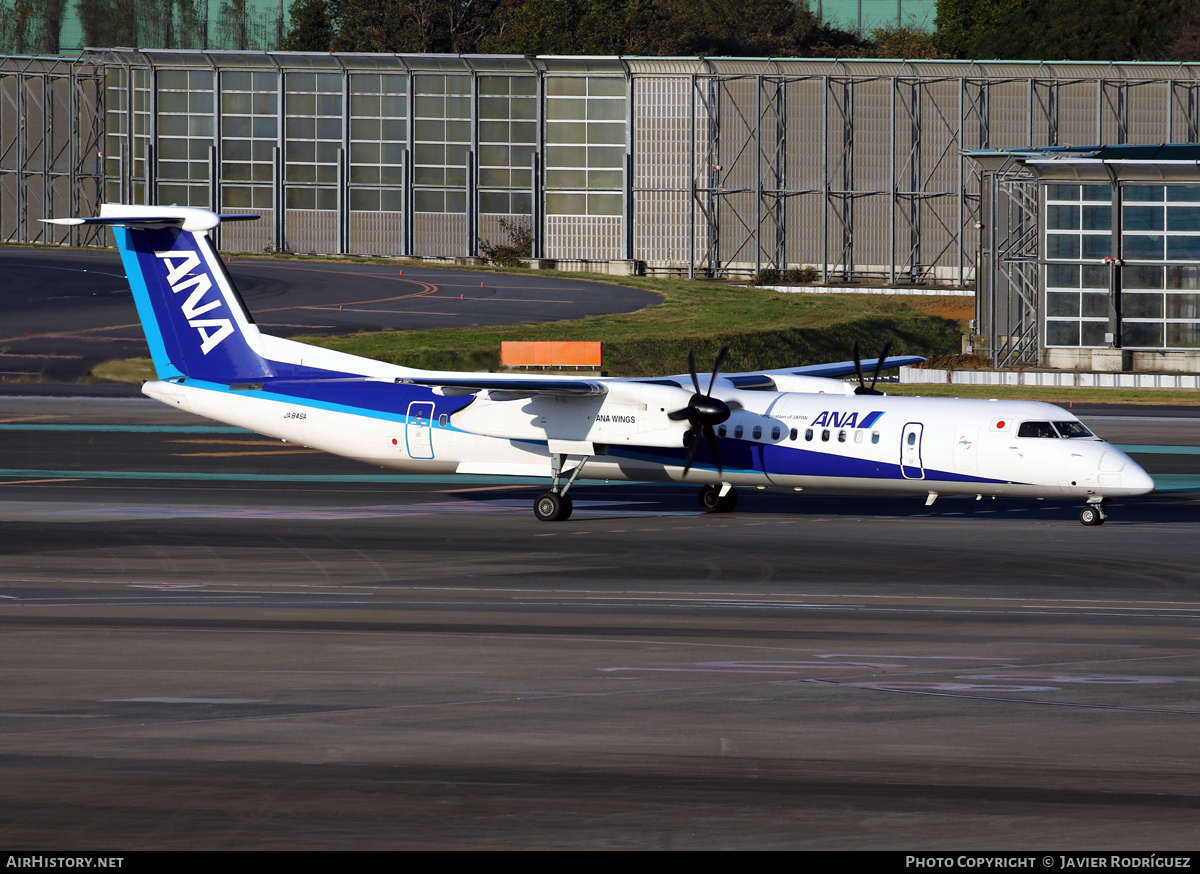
[{"x": 548, "y": 354}]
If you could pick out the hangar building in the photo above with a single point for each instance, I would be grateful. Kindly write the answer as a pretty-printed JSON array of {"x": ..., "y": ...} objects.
[{"x": 866, "y": 170}]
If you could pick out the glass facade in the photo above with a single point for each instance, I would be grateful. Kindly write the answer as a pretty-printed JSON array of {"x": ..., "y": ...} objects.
[
  {"x": 312, "y": 139},
  {"x": 442, "y": 142},
  {"x": 185, "y": 136},
  {"x": 378, "y": 140},
  {"x": 1078, "y": 236},
  {"x": 508, "y": 141},
  {"x": 1158, "y": 276},
  {"x": 249, "y": 135},
  {"x": 1160, "y": 236},
  {"x": 585, "y": 145}
]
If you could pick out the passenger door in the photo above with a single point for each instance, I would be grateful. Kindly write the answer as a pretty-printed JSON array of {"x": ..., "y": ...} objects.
[
  {"x": 910, "y": 451},
  {"x": 419, "y": 433}
]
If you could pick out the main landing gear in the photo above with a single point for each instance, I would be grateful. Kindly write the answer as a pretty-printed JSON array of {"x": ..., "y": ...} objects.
[
  {"x": 554, "y": 505},
  {"x": 718, "y": 499},
  {"x": 1093, "y": 513}
]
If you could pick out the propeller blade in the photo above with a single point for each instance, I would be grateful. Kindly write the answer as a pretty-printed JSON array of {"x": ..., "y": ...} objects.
[
  {"x": 879, "y": 364},
  {"x": 717, "y": 368},
  {"x": 710, "y": 437},
  {"x": 692, "y": 371},
  {"x": 858, "y": 366}
]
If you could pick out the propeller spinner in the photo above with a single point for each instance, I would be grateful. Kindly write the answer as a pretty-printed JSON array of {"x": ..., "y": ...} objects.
[{"x": 703, "y": 413}]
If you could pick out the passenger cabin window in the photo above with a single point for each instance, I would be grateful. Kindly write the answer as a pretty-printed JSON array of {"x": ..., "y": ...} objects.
[
  {"x": 721, "y": 430},
  {"x": 775, "y": 432},
  {"x": 841, "y": 436},
  {"x": 443, "y": 419},
  {"x": 858, "y": 436},
  {"x": 757, "y": 432},
  {"x": 794, "y": 434},
  {"x": 825, "y": 436},
  {"x": 912, "y": 438},
  {"x": 1036, "y": 429},
  {"x": 808, "y": 433},
  {"x": 737, "y": 432},
  {"x": 874, "y": 436}
]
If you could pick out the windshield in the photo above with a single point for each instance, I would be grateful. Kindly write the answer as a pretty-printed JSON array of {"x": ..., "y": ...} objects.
[
  {"x": 1053, "y": 429},
  {"x": 1072, "y": 429}
]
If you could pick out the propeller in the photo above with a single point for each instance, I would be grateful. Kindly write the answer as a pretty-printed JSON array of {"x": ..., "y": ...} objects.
[
  {"x": 703, "y": 412},
  {"x": 862, "y": 388}
]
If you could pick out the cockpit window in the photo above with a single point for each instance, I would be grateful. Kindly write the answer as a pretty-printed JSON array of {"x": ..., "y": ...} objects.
[
  {"x": 1053, "y": 429},
  {"x": 1036, "y": 429},
  {"x": 1072, "y": 429}
]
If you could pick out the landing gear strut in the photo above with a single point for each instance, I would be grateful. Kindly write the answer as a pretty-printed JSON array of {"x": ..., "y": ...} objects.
[
  {"x": 718, "y": 499},
  {"x": 1093, "y": 513},
  {"x": 554, "y": 505}
]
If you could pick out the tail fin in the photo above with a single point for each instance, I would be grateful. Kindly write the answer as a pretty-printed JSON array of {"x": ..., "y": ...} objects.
[{"x": 194, "y": 319}]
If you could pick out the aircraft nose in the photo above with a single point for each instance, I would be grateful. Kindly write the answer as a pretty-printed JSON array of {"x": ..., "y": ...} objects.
[{"x": 1136, "y": 480}]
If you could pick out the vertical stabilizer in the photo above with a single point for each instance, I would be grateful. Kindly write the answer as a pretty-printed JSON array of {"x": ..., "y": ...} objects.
[{"x": 193, "y": 317}]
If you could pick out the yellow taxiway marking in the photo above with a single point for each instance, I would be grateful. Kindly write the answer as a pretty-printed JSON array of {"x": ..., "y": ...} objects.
[
  {"x": 30, "y": 419},
  {"x": 22, "y": 482}
]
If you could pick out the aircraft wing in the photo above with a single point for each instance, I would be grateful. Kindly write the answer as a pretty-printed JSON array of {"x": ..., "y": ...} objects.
[
  {"x": 762, "y": 379},
  {"x": 469, "y": 383},
  {"x": 846, "y": 368}
]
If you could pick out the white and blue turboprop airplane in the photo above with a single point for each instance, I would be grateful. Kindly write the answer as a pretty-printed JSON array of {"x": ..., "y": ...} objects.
[{"x": 796, "y": 428}]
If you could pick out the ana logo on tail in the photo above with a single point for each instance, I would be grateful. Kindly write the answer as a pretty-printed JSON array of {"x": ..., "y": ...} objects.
[{"x": 180, "y": 278}]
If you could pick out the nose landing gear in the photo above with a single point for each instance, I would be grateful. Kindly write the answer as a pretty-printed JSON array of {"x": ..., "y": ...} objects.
[{"x": 1093, "y": 513}]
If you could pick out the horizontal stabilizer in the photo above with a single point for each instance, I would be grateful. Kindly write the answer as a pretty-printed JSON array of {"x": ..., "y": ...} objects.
[{"x": 151, "y": 218}]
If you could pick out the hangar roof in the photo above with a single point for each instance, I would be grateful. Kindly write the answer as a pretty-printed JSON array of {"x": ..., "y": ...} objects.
[{"x": 1165, "y": 161}]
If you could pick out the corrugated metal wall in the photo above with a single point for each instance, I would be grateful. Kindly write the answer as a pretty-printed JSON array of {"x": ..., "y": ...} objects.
[{"x": 854, "y": 167}]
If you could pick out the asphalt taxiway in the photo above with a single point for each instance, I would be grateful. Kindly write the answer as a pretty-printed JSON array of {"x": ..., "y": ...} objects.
[
  {"x": 210, "y": 639},
  {"x": 62, "y": 311}
]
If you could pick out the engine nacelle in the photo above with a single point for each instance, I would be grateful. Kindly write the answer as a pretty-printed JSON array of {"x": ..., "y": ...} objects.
[{"x": 812, "y": 384}]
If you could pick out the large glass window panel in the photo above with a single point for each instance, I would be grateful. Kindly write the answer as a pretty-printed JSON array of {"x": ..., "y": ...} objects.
[
  {"x": 1096, "y": 192},
  {"x": 1095, "y": 276},
  {"x": 1183, "y": 335},
  {"x": 1183, "y": 306},
  {"x": 1062, "y": 246},
  {"x": 1062, "y": 303},
  {"x": 1141, "y": 306},
  {"x": 1062, "y": 192},
  {"x": 1092, "y": 333},
  {"x": 606, "y": 134},
  {"x": 1183, "y": 248},
  {"x": 558, "y": 203},
  {"x": 566, "y": 86},
  {"x": 1142, "y": 193},
  {"x": 1062, "y": 275},
  {"x": 604, "y": 204},
  {"x": 1062, "y": 333},
  {"x": 1183, "y": 218},
  {"x": 1062, "y": 217},
  {"x": 1096, "y": 245},
  {"x": 1095, "y": 306},
  {"x": 1097, "y": 218},
  {"x": 1142, "y": 276},
  {"x": 1143, "y": 248},
  {"x": 1183, "y": 193},
  {"x": 1183, "y": 276},
  {"x": 425, "y": 200},
  {"x": 1142, "y": 218},
  {"x": 1142, "y": 334}
]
